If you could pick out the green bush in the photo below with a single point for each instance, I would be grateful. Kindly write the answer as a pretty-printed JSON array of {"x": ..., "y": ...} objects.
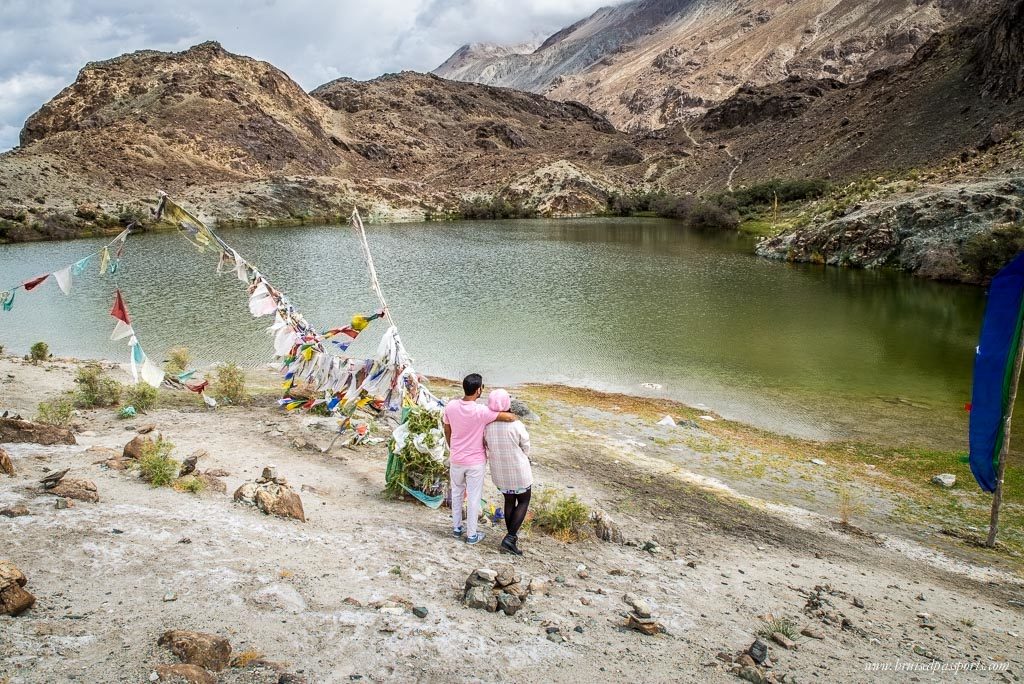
[
  {"x": 40, "y": 351},
  {"x": 95, "y": 390},
  {"x": 762, "y": 194},
  {"x": 229, "y": 384},
  {"x": 142, "y": 396},
  {"x": 178, "y": 360},
  {"x": 561, "y": 516},
  {"x": 56, "y": 412},
  {"x": 496, "y": 207},
  {"x": 156, "y": 465},
  {"x": 986, "y": 253}
]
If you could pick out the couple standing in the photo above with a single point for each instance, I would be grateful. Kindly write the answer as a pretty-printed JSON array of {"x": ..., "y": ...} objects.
[{"x": 478, "y": 434}]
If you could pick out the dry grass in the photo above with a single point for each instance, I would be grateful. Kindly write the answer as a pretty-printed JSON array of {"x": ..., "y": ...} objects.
[{"x": 245, "y": 658}]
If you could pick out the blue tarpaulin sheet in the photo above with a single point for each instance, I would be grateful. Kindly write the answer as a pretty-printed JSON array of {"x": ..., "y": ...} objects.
[{"x": 993, "y": 370}]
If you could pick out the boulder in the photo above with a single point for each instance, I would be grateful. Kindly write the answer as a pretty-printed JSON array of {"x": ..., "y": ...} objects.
[
  {"x": 537, "y": 586},
  {"x": 195, "y": 648},
  {"x": 945, "y": 480},
  {"x": 14, "y": 600},
  {"x": 188, "y": 466},
  {"x": 481, "y": 598},
  {"x": 518, "y": 590},
  {"x": 17, "y": 430},
  {"x": 758, "y": 651},
  {"x": 82, "y": 490},
  {"x": 190, "y": 674},
  {"x": 14, "y": 512},
  {"x": 6, "y": 464},
  {"x": 481, "y": 577},
  {"x": 606, "y": 529},
  {"x": 133, "y": 449}
]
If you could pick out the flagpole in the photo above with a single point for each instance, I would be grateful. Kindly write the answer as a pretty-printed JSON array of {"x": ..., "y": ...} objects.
[{"x": 1004, "y": 452}]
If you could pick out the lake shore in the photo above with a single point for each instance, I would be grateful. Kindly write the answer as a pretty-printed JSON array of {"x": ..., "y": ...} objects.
[{"x": 742, "y": 523}]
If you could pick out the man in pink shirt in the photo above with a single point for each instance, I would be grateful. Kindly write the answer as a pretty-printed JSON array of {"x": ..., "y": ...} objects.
[{"x": 464, "y": 423}]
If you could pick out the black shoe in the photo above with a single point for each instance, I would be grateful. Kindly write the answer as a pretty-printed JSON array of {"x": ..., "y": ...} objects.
[{"x": 509, "y": 545}]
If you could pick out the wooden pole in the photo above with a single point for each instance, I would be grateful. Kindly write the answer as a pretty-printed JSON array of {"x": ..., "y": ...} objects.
[{"x": 1004, "y": 452}]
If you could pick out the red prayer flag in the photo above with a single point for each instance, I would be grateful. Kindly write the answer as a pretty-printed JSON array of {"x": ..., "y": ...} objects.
[
  {"x": 30, "y": 285},
  {"x": 119, "y": 310},
  {"x": 197, "y": 387}
]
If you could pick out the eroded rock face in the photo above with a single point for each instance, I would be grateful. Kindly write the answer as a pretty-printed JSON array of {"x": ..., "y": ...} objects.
[
  {"x": 272, "y": 496},
  {"x": 15, "y": 430},
  {"x": 196, "y": 648},
  {"x": 14, "y": 600}
]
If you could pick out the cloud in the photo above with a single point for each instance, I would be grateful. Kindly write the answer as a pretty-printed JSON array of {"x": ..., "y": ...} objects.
[{"x": 43, "y": 43}]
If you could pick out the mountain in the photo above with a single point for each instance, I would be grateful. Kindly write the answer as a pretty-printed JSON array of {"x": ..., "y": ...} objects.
[
  {"x": 242, "y": 141},
  {"x": 649, "y": 63}
]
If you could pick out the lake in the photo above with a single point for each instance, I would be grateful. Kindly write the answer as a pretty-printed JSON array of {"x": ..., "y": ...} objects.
[{"x": 641, "y": 306}]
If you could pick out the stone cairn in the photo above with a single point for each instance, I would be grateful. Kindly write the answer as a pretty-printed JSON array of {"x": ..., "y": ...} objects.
[
  {"x": 495, "y": 590},
  {"x": 272, "y": 495}
]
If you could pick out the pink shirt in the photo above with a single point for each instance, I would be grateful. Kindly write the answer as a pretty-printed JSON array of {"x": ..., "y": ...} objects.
[{"x": 468, "y": 420}]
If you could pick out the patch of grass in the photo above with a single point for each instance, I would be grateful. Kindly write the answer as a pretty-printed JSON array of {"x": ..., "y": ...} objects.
[
  {"x": 94, "y": 389},
  {"x": 178, "y": 360},
  {"x": 229, "y": 384},
  {"x": 189, "y": 483},
  {"x": 156, "y": 465},
  {"x": 848, "y": 505},
  {"x": 563, "y": 517},
  {"x": 40, "y": 351},
  {"x": 56, "y": 412},
  {"x": 142, "y": 396},
  {"x": 784, "y": 626}
]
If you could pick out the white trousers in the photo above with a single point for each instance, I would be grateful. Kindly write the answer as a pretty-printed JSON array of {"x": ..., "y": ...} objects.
[{"x": 467, "y": 479}]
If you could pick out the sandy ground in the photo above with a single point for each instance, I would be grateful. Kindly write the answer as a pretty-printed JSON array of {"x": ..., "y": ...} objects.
[{"x": 284, "y": 588}]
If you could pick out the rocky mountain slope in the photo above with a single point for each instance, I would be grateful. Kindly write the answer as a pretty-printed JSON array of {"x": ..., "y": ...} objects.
[
  {"x": 239, "y": 139},
  {"x": 648, "y": 63}
]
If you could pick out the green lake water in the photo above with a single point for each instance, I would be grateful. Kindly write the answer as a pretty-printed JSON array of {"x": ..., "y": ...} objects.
[{"x": 638, "y": 306}]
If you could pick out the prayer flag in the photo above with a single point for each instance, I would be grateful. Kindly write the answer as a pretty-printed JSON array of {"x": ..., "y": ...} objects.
[
  {"x": 8, "y": 299},
  {"x": 30, "y": 285},
  {"x": 63, "y": 278},
  {"x": 80, "y": 265},
  {"x": 119, "y": 310},
  {"x": 104, "y": 260},
  {"x": 121, "y": 331}
]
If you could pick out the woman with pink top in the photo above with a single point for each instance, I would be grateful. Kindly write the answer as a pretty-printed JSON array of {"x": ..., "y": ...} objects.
[{"x": 508, "y": 452}]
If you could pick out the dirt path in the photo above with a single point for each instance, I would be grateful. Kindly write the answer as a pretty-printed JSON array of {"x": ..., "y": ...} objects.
[{"x": 304, "y": 594}]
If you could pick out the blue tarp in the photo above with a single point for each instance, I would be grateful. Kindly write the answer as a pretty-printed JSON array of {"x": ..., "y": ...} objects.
[{"x": 993, "y": 370}]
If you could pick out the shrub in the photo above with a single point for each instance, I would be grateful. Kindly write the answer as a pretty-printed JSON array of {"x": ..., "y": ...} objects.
[
  {"x": 495, "y": 208},
  {"x": 848, "y": 505},
  {"x": 56, "y": 412},
  {"x": 156, "y": 465},
  {"x": 178, "y": 360},
  {"x": 986, "y": 253},
  {"x": 784, "y": 626},
  {"x": 786, "y": 190},
  {"x": 142, "y": 396},
  {"x": 563, "y": 517},
  {"x": 229, "y": 384},
  {"x": 94, "y": 389},
  {"x": 40, "y": 351},
  {"x": 190, "y": 484}
]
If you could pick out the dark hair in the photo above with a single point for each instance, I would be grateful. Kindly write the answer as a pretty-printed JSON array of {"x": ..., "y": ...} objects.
[{"x": 471, "y": 383}]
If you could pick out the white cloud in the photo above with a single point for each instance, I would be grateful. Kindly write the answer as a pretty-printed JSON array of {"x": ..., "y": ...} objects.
[{"x": 43, "y": 43}]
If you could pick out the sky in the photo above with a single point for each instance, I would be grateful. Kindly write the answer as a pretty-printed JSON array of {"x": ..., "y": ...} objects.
[{"x": 43, "y": 43}]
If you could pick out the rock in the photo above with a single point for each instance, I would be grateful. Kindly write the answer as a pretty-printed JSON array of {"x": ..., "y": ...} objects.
[
  {"x": 188, "y": 466},
  {"x": 812, "y": 633},
  {"x": 509, "y": 604},
  {"x": 506, "y": 575},
  {"x": 133, "y": 449},
  {"x": 191, "y": 674},
  {"x": 146, "y": 429},
  {"x": 81, "y": 490},
  {"x": 606, "y": 529},
  {"x": 482, "y": 577},
  {"x": 419, "y": 611},
  {"x": 62, "y": 503},
  {"x": 51, "y": 480},
  {"x": 271, "y": 498},
  {"x": 745, "y": 660},
  {"x": 651, "y": 547},
  {"x": 946, "y": 480},
  {"x": 269, "y": 473},
  {"x": 646, "y": 626},
  {"x": 582, "y": 572},
  {"x": 783, "y": 641},
  {"x": 518, "y": 590},
  {"x": 213, "y": 483},
  {"x": 195, "y": 648},
  {"x": 17, "y": 430},
  {"x": 857, "y": 603},
  {"x": 14, "y": 512},
  {"x": 6, "y": 464},
  {"x": 170, "y": 596},
  {"x": 480, "y": 598},
  {"x": 758, "y": 651},
  {"x": 14, "y": 600},
  {"x": 537, "y": 586},
  {"x": 217, "y": 472},
  {"x": 818, "y": 462},
  {"x": 751, "y": 674},
  {"x": 639, "y": 605},
  {"x": 556, "y": 637}
]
